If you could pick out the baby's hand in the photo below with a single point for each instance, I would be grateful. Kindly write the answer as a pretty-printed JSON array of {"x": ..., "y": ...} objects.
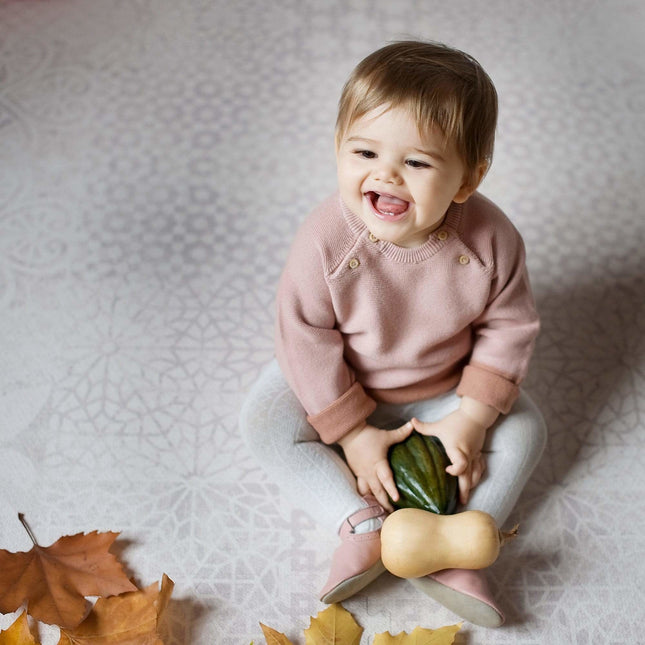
[
  {"x": 463, "y": 439},
  {"x": 366, "y": 449}
]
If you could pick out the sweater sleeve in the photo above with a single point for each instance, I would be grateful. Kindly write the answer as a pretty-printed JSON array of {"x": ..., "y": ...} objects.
[
  {"x": 309, "y": 347},
  {"x": 505, "y": 332}
]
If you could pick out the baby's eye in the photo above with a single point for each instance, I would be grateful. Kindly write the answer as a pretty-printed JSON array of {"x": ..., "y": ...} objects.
[
  {"x": 415, "y": 163},
  {"x": 365, "y": 154}
]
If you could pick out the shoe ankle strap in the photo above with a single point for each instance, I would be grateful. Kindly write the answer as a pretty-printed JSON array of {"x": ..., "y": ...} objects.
[{"x": 367, "y": 513}]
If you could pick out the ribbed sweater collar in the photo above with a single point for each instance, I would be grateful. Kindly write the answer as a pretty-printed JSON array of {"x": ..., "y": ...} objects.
[{"x": 399, "y": 253}]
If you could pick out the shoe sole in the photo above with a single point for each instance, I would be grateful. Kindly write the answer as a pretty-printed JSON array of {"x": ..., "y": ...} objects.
[
  {"x": 471, "y": 609},
  {"x": 353, "y": 585}
]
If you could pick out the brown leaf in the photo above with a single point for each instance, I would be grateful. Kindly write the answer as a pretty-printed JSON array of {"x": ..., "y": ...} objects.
[
  {"x": 333, "y": 626},
  {"x": 420, "y": 636},
  {"x": 53, "y": 580},
  {"x": 129, "y": 619},
  {"x": 273, "y": 637},
  {"x": 18, "y": 633}
]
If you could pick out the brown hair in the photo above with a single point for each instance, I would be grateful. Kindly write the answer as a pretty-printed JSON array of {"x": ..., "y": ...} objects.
[{"x": 443, "y": 87}]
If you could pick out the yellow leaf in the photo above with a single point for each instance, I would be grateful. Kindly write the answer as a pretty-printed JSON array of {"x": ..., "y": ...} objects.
[
  {"x": 333, "y": 626},
  {"x": 18, "y": 633},
  {"x": 420, "y": 636},
  {"x": 273, "y": 637},
  {"x": 129, "y": 619}
]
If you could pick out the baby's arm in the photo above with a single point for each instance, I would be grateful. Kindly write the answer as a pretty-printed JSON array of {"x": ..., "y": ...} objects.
[
  {"x": 311, "y": 351},
  {"x": 463, "y": 433},
  {"x": 309, "y": 345},
  {"x": 504, "y": 335},
  {"x": 366, "y": 449}
]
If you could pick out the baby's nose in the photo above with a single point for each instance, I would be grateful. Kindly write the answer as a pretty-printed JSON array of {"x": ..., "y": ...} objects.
[{"x": 387, "y": 173}]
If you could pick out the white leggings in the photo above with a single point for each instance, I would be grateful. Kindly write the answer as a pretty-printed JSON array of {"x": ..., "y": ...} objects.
[{"x": 314, "y": 476}]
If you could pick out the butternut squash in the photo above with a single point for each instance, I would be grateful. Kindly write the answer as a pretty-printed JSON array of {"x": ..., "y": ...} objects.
[{"x": 415, "y": 542}]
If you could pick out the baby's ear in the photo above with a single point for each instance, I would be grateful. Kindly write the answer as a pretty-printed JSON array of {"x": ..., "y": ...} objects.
[{"x": 471, "y": 183}]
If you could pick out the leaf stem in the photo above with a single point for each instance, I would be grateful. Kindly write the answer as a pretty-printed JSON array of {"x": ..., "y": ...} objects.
[{"x": 30, "y": 533}]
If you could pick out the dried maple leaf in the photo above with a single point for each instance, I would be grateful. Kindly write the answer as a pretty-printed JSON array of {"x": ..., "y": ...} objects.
[
  {"x": 53, "y": 580},
  {"x": 129, "y": 619},
  {"x": 333, "y": 626},
  {"x": 420, "y": 636},
  {"x": 18, "y": 633},
  {"x": 273, "y": 637}
]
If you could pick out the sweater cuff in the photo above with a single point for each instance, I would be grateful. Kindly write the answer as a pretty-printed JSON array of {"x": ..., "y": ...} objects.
[
  {"x": 344, "y": 414},
  {"x": 488, "y": 387}
]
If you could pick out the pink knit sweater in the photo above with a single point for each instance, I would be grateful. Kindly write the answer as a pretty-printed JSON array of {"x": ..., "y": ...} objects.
[{"x": 360, "y": 320}]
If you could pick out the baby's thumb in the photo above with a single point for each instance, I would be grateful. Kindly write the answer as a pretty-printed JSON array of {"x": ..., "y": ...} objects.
[
  {"x": 401, "y": 433},
  {"x": 459, "y": 464},
  {"x": 418, "y": 425}
]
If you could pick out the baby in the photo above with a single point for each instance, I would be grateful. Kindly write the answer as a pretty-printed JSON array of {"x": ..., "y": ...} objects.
[{"x": 404, "y": 304}]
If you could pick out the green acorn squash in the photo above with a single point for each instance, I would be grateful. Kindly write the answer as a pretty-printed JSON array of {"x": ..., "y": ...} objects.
[{"x": 419, "y": 468}]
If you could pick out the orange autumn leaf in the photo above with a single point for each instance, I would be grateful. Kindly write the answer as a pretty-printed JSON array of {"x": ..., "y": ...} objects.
[
  {"x": 18, "y": 633},
  {"x": 273, "y": 637},
  {"x": 420, "y": 636},
  {"x": 333, "y": 626},
  {"x": 129, "y": 619},
  {"x": 54, "y": 580}
]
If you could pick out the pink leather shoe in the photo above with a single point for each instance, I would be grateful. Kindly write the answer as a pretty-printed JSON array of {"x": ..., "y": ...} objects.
[
  {"x": 465, "y": 592},
  {"x": 357, "y": 561}
]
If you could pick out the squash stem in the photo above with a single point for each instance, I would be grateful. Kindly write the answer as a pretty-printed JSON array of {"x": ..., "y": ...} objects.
[{"x": 508, "y": 536}]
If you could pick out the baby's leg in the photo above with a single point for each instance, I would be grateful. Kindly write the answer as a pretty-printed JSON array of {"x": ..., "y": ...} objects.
[
  {"x": 314, "y": 477},
  {"x": 309, "y": 473},
  {"x": 512, "y": 449}
]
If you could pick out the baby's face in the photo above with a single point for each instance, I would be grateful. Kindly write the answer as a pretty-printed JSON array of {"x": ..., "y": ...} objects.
[{"x": 397, "y": 181}]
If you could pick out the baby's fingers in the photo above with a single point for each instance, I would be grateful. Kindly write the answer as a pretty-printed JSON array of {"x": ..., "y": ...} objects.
[
  {"x": 470, "y": 478},
  {"x": 384, "y": 474},
  {"x": 459, "y": 463},
  {"x": 373, "y": 487},
  {"x": 386, "y": 485},
  {"x": 479, "y": 466},
  {"x": 381, "y": 496},
  {"x": 362, "y": 486},
  {"x": 465, "y": 484}
]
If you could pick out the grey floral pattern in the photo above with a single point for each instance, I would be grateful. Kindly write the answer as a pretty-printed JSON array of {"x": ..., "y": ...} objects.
[{"x": 156, "y": 159}]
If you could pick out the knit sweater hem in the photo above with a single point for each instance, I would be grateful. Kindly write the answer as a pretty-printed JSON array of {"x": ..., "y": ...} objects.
[
  {"x": 344, "y": 414},
  {"x": 488, "y": 387}
]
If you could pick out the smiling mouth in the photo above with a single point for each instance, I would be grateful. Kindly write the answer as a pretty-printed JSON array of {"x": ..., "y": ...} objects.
[{"x": 387, "y": 207}]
